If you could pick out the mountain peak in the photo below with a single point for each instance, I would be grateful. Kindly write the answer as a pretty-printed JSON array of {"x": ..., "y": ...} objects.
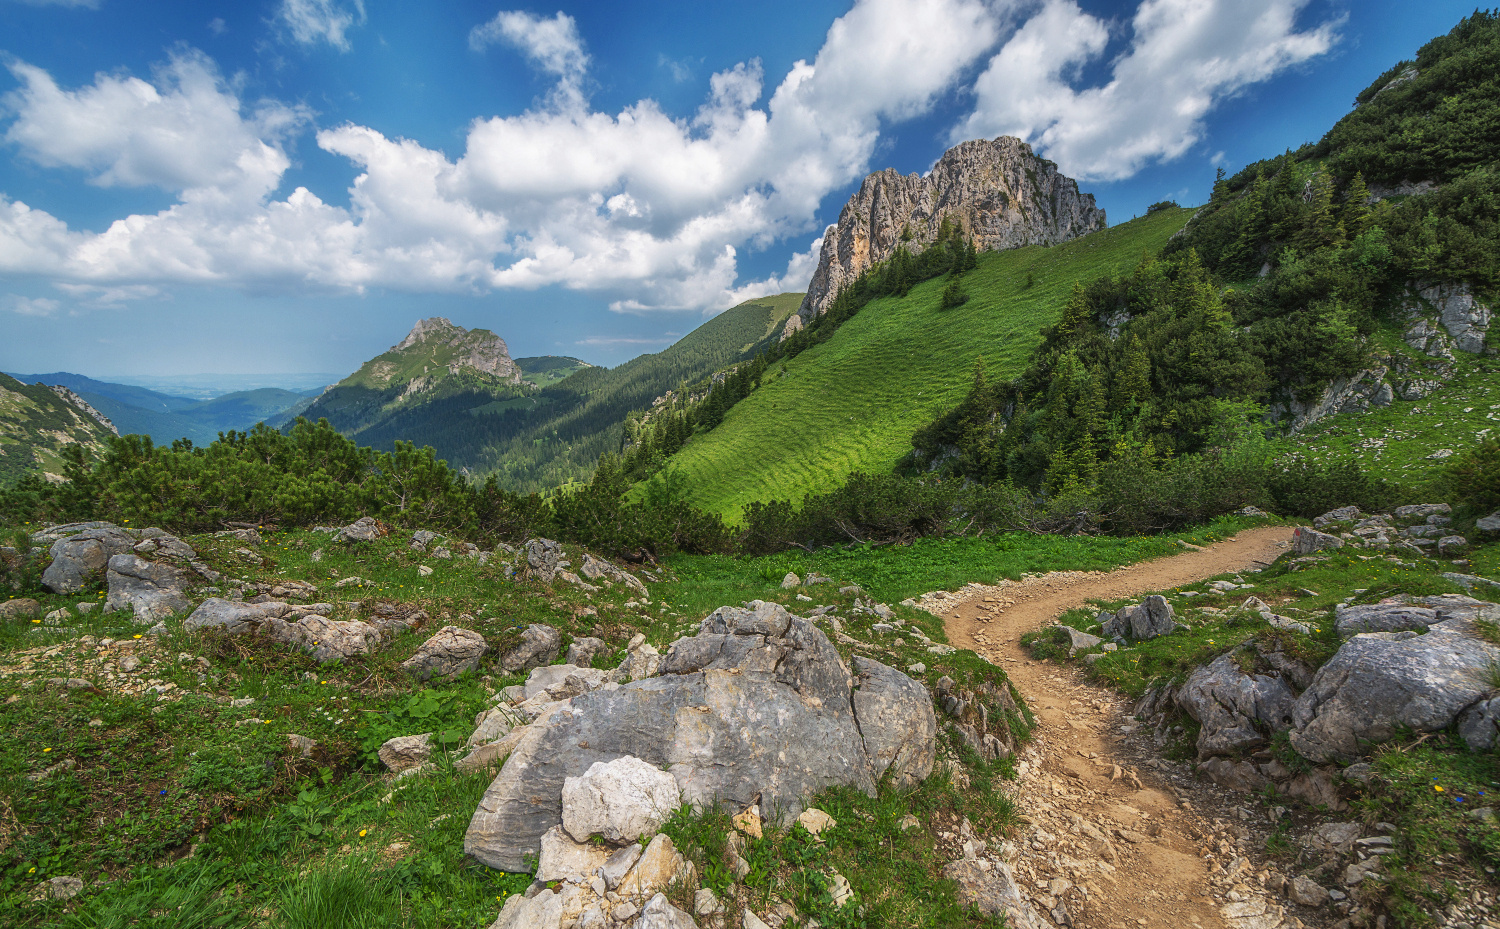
[
  {"x": 1000, "y": 193},
  {"x": 429, "y": 328}
]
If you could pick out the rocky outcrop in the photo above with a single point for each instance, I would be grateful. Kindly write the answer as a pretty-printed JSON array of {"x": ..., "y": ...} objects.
[
  {"x": 1358, "y": 393},
  {"x": 1380, "y": 682},
  {"x": 1002, "y": 195},
  {"x": 83, "y": 405},
  {"x": 152, "y": 590},
  {"x": 757, "y": 705},
  {"x": 472, "y": 349},
  {"x": 80, "y": 559},
  {"x": 1445, "y": 316}
]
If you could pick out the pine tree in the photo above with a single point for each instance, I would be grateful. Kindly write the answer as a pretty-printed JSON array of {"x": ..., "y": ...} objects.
[{"x": 1356, "y": 212}]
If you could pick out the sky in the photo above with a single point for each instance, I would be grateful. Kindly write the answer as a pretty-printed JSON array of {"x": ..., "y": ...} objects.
[{"x": 270, "y": 187}]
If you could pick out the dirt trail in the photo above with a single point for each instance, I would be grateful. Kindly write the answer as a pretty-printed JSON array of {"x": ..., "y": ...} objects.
[{"x": 1171, "y": 868}]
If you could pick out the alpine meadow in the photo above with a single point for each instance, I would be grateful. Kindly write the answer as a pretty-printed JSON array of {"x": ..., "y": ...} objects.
[{"x": 1096, "y": 526}]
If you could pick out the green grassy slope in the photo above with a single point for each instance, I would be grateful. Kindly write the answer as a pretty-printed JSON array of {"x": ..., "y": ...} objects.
[
  {"x": 35, "y": 424},
  {"x": 853, "y": 402},
  {"x": 549, "y": 369},
  {"x": 1405, "y": 442}
]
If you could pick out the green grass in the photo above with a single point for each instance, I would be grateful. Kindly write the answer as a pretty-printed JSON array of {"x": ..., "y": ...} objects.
[
  {"x": 1395, "y": 442},
  {"x": 853, "y": 402},
  {"x": 185, "y": 810}
]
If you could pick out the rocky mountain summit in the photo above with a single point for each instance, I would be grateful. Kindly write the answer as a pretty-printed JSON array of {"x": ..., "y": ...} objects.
[
  {"x": 1002, "y": 195},
  {"x": 437, "y": 342}
]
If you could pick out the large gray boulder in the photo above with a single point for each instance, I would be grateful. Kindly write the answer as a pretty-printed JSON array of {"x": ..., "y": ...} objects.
[
  {"x": 539, "y": 646},
  {"x": 233, "y": 615},
  {"x": 449, "y": 653},
  {"x": 1380, "y": 682},
  {"x": 1237, "y": 710},
  {"x": 897, "y": 721},
  {"x": 1305, "y": 541},
  {"x": 80, "y": 559},
  {"x": 153, "y": 590},
  {"x": 1382, "y": 617},
  {"x": 758, "y": 704}
]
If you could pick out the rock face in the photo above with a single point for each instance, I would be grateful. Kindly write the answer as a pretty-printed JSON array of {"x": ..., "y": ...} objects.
[
  {"x": 1003, "y": 195},
  {"x": 153, "y": 591},
  {"x": 80, "y": 559},
  {"x": 757, "y": 704},
  {"x": 449, "y": 653},
  {"x": 1236, "y": 708},
  {"x": 620, "y": 800},
  {"x": 1379, "y": 681}
]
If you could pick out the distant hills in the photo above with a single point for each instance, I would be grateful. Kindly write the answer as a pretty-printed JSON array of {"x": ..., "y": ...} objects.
[{"x": 166, "y": 418}]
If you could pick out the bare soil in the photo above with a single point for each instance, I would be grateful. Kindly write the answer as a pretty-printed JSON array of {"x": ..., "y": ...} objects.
[{"x": 1166, "y": 861}]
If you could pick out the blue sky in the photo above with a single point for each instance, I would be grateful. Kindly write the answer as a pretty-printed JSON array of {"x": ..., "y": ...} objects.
[{"x": 286, "y": 185}]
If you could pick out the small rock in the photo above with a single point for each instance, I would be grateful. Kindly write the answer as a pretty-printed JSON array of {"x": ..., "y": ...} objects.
[
  {"x": 815, "y": 820},
  {"x": 130, "y": 663},
  {"x": 23, "y": 608},
  {"x": 405, "y": 752},
  {"x": 1306, "y": 892},
  {"x": 748, "y": 822},
  {"x": 424, "y": 571},
  {"x": 791, "y": 580},
  {"x": 62, "y": 888},
  {"x": 706, "y": 903}
]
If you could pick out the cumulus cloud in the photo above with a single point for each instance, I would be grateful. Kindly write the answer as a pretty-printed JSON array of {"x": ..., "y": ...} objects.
[
  {"x": 1183, "y": 58},
  {"x": 310, "y": 22},
  {"x": 186, "y": 131},
  {"x": 643, "y": 208}
]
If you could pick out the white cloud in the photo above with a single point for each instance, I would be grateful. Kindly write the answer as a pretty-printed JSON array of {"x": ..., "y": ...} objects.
[
  {"x": 184, "y": 132},
  {"x": 314, "y": 21},
  {"x": 31, "y": 306},
  {"x": 640, "y": 207},
  {"x": 92, "y": 295},
  {"x": 217, "y": 25},
  {"x": 1184, "y": 57},
  {"x": 552, "y": 45}
]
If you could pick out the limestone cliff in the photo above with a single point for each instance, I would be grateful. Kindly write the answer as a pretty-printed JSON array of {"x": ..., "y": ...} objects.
[{"x": 1002, "y": 194}]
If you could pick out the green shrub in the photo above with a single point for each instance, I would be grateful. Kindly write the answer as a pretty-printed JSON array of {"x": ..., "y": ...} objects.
[{"x": 1472, "y": 478}]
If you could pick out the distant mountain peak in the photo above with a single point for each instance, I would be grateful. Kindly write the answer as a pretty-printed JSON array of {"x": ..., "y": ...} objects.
[
  {"x": 431, "y": 327},
  {"x": 437, "y": 343}
]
